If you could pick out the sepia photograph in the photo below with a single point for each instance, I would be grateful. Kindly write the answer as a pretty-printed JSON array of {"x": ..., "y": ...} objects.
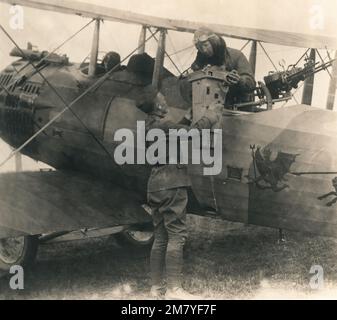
[{"x": 168, "y": 150}]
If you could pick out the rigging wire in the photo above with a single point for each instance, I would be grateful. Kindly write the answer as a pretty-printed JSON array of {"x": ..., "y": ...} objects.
[
  {"x": 50, "y": 53},
  {"x": 174, "y": 64},
  {"x": 323, "y": 60},
  {"x": 293, "y": 95},
  {"x": 266, "y": 53},
  {"x": 172, "y": 45},
  {"x": 299, "y": 60},
  {"x": 57, "y": 94},
  {"x": 188, "y": 59},
  {"x": 182, "y": 50},
  {"x": 320, "y": 56},
  {"x": 68, "y": 106},
  {"x": 328, "y": 53},
  {"x": 245, "y": 45}
]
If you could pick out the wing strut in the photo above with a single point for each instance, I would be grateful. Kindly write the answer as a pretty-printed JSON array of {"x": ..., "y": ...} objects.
[
  {"x": 308, "y": 88},
  {"x": 99, "y": 82},
  {"x": 94, "y": 50},
  {"x": 253, "y": 56},
  {"x": 18, "y": 162},
  {"x": 167, "y": 55},
  {"x": 159, "y": 63},
  {"x": 142, "y": 40},
  {"x": 332, "y": 87},
  {"x": 64, "y": 102}
]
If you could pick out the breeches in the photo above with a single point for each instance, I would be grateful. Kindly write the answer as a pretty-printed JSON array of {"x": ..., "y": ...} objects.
[{"x": 170, "y": 233}]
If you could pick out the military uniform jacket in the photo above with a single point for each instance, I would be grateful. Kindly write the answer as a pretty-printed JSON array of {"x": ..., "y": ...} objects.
[
  {"x": 231, "y": 59},
  {"x": 170, "y": 176}
]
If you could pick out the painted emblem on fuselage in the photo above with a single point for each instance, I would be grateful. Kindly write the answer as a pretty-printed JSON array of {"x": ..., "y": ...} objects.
[{"x": 268, "y": 173}]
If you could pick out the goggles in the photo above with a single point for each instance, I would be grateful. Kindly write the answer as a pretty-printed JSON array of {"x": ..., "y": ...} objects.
[{"x": 202, "y": 38}]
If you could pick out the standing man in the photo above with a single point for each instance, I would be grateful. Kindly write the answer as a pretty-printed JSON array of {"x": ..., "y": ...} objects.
[
  {"x": 213, "y": 51},
  {"x": 167, "y": 197}
]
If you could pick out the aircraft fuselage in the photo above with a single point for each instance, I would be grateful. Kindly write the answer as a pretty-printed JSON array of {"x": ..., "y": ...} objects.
[{"x": 277, "y": 169}]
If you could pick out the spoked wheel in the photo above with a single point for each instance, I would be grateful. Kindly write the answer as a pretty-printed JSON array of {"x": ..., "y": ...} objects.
[
  {"x": 18, "y": 251},
  {"x": 137, "y": 239}
]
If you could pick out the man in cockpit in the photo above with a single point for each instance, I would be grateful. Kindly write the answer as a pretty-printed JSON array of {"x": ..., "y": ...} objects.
[
  {"x": 213, "y": 51},
  {"x": 111, "y": 61}
]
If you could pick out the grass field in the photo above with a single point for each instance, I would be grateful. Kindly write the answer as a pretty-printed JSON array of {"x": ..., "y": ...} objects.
[{"x": 222, "y": 261}]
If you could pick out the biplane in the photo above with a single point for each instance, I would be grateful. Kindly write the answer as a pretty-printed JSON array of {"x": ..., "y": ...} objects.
[{"x": 279, "y": 165}]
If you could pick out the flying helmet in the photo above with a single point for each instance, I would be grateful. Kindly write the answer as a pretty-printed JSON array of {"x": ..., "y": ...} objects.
[
  {"x": 204, "y": 34},
  {"x": 111, "y": 60}
]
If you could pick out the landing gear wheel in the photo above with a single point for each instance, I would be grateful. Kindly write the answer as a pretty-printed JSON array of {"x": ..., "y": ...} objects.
[
  {"x": 18, "y": 251},
  {"x": 135, "y": 239}
]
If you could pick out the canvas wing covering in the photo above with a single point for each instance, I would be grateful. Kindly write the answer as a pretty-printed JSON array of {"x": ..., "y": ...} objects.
[{"x": 42, "y": 202}]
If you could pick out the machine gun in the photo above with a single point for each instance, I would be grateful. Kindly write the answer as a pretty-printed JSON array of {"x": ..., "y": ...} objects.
[
  {"x": 209, "y": 87},
  {"x": 281, "y": 83},
  {"x": 35, "y": 55},
  {"x": 277, "y": 86}
]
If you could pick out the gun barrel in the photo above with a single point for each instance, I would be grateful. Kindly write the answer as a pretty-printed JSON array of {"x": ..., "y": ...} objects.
[
  {"x": 324, "y": 66},
  {"x": 307, "y": 72}
]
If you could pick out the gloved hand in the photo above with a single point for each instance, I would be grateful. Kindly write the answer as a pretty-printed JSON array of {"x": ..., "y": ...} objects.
[
  {"x": 189, "y": 115},
  {"x": 160, "y": 106},
  {"x": 233, "y": 77},
  {"x": 207, "y": 68},
  {"x": 214, "y": 113}
]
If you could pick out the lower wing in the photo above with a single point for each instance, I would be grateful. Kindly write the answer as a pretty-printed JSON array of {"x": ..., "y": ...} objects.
[{"x": 41, "y": 202}]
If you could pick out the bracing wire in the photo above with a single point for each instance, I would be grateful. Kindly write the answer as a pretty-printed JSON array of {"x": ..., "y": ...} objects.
[
  {"x": 68, "y": 106},
  {"x": 48, "y": 55}
]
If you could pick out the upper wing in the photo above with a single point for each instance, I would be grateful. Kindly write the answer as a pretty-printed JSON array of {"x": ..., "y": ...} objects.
[
  {"x": 43, "y": 202},
  {"x": 106, "y": 13}
]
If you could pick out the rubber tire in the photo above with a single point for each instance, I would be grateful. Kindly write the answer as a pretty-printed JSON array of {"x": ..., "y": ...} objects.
[{"x": 31, "y": 244}]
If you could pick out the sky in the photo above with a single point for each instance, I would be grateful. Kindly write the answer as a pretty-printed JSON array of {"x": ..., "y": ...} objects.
[{"x": 47, "y": 30}]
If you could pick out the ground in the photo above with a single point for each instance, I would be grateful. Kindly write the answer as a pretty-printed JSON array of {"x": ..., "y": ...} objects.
[{"x": 222, "y": 261}]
